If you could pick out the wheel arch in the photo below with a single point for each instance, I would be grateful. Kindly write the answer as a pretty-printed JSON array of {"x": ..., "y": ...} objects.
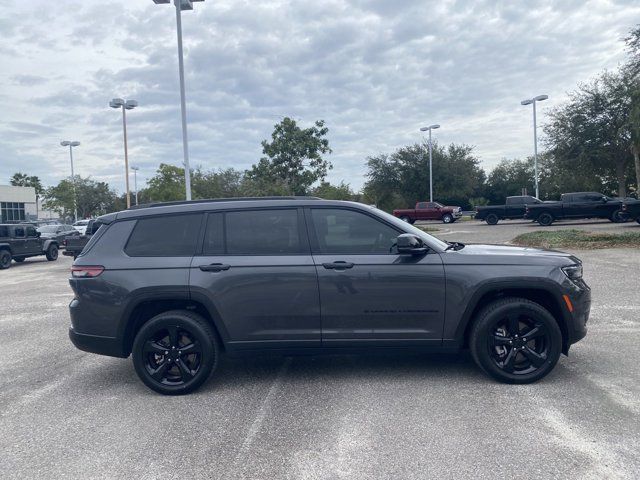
[
  {"x": 6, "y": 246},
  {"x": 147, "y": 308},
  {"x": 541, "y": 295}
]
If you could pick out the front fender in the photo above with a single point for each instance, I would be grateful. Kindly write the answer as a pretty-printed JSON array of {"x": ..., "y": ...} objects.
[{"x": 47, "y": 243}]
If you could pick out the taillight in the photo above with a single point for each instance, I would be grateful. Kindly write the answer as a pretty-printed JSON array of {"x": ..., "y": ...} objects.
[{"x": 86, "y": 272}]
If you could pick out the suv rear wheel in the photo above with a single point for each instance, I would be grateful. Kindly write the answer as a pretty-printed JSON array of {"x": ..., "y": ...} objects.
[
  {"x": 175, "y": 352},
  {"x": 515, "y": 340},
  {"x": 52, "y": 253},
  {"x": 5, "y": 259}
]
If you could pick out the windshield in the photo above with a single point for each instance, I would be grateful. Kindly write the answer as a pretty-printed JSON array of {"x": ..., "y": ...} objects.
[
  {"x": 410, "y": 228},
  {"x": 48, "y": 229}
]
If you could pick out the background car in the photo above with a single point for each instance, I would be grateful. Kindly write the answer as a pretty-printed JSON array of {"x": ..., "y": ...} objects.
[
  {"x": 58, "y": 232},
  {"x": 429, "y": 211},
  {"x": 81, "y": 226}
]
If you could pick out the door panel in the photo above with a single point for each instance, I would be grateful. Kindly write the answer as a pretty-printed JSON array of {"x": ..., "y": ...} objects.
[
  {"x": 390, "y": 299},
  {"x": 368, "y": 293},
  {"x": 266, "y": 299}
]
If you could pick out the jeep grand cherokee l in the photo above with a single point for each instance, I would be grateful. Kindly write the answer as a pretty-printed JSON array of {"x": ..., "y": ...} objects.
[{"x": 176, "y": 285}]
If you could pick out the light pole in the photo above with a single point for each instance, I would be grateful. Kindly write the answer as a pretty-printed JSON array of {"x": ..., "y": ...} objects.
[
  {"x": 533, "y": 101},
  {"x": 135, "y": 181},
  {"x": 424, "y": 129},
  {"x": 182, "y": 5},
  {"x": 67, "y": 143},
  {"x": 125, "y": 105}
]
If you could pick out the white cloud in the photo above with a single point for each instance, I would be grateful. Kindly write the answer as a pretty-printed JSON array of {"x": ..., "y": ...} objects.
[{"x": 375, "y": 71}]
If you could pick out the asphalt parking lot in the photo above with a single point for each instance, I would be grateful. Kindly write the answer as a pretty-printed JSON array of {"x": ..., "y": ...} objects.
[{"x": 68, "y": 414}]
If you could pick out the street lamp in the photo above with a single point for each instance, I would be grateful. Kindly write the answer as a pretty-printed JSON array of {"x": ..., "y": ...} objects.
[
  {"x": 135, "y": 181},
  {"x": 424, "y": 129},
  {"x": 125, "y": 105},
  {"x": 182, "y": 5},
  {"x": 533, "y": 101},
  {"x": 67, "y": 143}
]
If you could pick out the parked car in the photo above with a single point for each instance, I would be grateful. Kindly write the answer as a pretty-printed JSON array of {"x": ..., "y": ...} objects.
[
  {"x": 73, "y": 245},
  {"x": 176, "y": 285},
  {"x": 58, "y": 232},
  {"x": 429, "y": 211},
  {"x": 631, "y": 209},
  {"x": 514, "y": 208},
  {"x": 576, "y": 205},
  {"x": 20, "y": 241},
  {"x": 81, "y": 226}
]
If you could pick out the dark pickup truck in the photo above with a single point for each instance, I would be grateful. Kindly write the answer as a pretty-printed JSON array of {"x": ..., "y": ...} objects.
[
  {"x": 631, "y": 209},
  {"x": 577, "y": 205},
  {"x": 73, "y": 245},
  {"x": 19, "y": 241},
  {"x": 514, "y": 208},
  {"x": 429, "y": 211}
]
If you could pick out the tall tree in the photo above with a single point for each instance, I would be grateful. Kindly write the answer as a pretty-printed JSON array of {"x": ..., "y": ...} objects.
[
  {"x": 93, "y": 198},
  {"x": 294, "y": 157},
  {"x": 590, "y": 134},
  {"x": 632, "y": 72},
  {"x": 20, "y": 179}
]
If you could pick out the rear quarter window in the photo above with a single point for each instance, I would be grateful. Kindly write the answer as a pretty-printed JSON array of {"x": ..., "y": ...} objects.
[{"x": 165, "y": 236}]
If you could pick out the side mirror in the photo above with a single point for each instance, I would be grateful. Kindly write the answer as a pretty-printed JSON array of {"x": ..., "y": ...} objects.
[
  {"x": 604, "y": 199},
  {"x": 38, "y": 234},
  {"x": 410, "y": 244}
]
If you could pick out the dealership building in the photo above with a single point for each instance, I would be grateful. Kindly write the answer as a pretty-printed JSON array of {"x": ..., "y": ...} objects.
[{"x": 17, "y": 204}]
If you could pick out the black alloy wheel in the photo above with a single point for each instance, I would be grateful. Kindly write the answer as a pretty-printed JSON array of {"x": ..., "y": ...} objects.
[
  {"x": 175, "y": 352},
  {"x": 545, "y": 219},
  {"x": 492, "y": 219},
  {"x": 618, "y": 217},
  {"x": 5, "y": 259},
  {"x": 516, "y": 341}
]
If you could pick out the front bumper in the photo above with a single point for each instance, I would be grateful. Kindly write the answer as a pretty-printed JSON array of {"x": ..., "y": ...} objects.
[{"x": 457, "y": 214}]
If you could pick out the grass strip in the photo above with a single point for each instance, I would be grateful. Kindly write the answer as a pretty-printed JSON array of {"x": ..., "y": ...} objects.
[{"x": 578, "y": 239}]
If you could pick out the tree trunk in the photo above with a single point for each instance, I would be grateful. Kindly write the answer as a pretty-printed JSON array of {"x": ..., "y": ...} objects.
[
  {"x": 635, "y": 149},
  {"x": 622, "y": 188}
]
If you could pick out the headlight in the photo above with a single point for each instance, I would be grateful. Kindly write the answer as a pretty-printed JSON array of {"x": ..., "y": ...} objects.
[{"x": 573, "y": 272}]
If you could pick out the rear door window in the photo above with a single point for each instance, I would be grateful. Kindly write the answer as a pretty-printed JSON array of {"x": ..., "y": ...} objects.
[
  {"x": 19, "y": 232},
  {"x": 165, "y": 236},
  {"x": 263, "y": 232}
]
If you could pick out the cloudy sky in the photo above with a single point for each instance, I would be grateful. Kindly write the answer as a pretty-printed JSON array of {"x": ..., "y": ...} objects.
[{"x": 375, "y": 71}]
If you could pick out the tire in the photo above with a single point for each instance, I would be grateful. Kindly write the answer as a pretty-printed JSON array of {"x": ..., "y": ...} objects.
[
  {"x": 545, "y": 219},
  {"x": 19, "y": 259},
  {"x": 5, "y": 259},
  {"x": 406, "y": 219},
  {"x": 491, "y": 219},
  {"x": 159, "y": 346},
  {"x": 618, "y": 217},
  {"x": 52, "y": 253},
  {"x": 510, "y": 320},
  {"x": 447, "y": 218}
]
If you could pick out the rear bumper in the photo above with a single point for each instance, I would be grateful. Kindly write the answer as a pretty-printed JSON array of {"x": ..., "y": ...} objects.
[{"x": 96, "y": 344}]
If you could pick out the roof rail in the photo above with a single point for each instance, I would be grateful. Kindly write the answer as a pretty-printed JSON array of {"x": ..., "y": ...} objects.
[{"x": 217, "y": 200}]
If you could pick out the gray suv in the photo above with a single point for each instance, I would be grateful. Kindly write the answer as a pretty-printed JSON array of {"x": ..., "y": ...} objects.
[{"x": 176, "y": 285}]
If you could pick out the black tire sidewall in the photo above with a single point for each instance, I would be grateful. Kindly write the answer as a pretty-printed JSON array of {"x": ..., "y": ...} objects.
[
  {"x": 542, "y": 219},
  {"x": 492, "y": 219},
  {"x": 198, "y": 327},
  {"x": 4, "y": 254},
  {"x": 52, "y": 253},
  {"x": 485, "y": 322}
]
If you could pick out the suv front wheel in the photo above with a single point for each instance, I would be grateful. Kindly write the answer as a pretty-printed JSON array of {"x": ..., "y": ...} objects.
[
  {"x": 516, "y": 340},
  {"x": 175, "y": 352}
]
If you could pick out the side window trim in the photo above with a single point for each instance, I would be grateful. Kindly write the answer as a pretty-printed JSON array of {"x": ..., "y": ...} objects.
[{"x": 313, "y": 238}]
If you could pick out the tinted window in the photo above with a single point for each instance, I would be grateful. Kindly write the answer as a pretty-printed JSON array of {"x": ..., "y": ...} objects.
[
  {"x": 263, "y": 232},
  {"x": 4, "y": 231},
  {"x": 19, "y": 232},
  {"x": 214, "y": 236},
  {"x": 170, "y": 236},
  {"x": 31, "y": 232},
  {"x": 423, "y": 205},
  {"x": 347, "y": 231}
]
